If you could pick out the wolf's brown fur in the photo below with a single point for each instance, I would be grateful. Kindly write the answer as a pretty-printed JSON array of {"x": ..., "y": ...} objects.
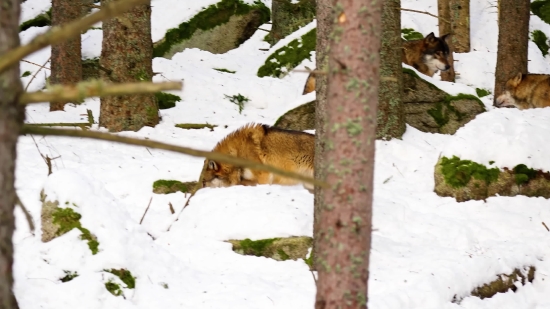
[
  {"x": 286, "y": 149},
  {"x": 526, "y": 91},
  {"x": 427, "y": 55}
]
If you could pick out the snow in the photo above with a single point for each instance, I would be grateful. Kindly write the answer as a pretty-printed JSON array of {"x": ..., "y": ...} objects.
[{"x": 426, "y": 249}]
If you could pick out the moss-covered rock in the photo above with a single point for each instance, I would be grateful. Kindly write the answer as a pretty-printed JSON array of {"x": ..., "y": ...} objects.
[
  {"x": 42, "y": 20},
  {"x": 195, "y": 126},
  {"x": 286, "y": 58},
  {"x": 466, "y": 180},
  {"x": 505, "y": 282},
  {"x": 218, "y": 28},
  {"x": 541, "y": 8},
  {"x": 280, "y": 249},
  {"x": 289, "y": 16},
  {"x": 300, "y": 118},
  {"x": 162, "y": 186},
  {"x": 166, "y": 100}
]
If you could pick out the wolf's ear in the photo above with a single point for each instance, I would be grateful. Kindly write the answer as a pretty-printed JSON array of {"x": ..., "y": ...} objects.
[
  {"x": 516, "y": 80},
  {"x": 430, "y": 37},
  {"x": 445, "y": 37},
  {"x": 213, "y": 166}
]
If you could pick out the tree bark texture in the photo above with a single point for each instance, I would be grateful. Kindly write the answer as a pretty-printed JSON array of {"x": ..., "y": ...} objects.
[
  {"x": 325, "y": 20},
  {"x": 460, "y": 25},
  {"x": 287, "y": 17},
  {"x": 11, "y": 119},
  {"x": 513, "y": 37},
  {"x": 444, "y": 12},
  {"x": 127, "y": 51},
  {"x": 391, "y": 114},
  {"x": 66, "y": 62},
  {"x": 348, "y": 160}
]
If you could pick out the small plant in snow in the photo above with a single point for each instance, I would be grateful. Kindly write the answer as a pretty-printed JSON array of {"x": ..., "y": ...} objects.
[{"x": 239, "y": 100}]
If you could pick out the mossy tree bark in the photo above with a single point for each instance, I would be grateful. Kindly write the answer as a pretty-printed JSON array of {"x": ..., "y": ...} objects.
[
  {"x": 325, "y": 20},
  {"x": 127, "y": 51},
  {"x": 513, "y": 37},
  {"x": 348, "y": 160},
  {"x": 391, "y": 114},
  {"x": 288, "y": 17},
  {"x": 460, "y": 25},
  {"x": 444, "y": 13},
  {"x": 11, "y": 119},
  {"x": 66, "y": 61}
]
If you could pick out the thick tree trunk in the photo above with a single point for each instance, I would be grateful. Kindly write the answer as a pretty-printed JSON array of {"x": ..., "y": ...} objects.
[
  {"x": 288, "y": 17},
  {"x": 391, "y": 114},
  {"x": 444, "y": 12},
  {"x": 460, "y": 25},
  {"x": 513, "y": 37},
  {"x": 325, "y": 16},
  {"x": 348, "y": 160},
  {"x": 11, "y": 120},
  {"x": 66, "y": 62},
  {"x": 127, "y": 51}
]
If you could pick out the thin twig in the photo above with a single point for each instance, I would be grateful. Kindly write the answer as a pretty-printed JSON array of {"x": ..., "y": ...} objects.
[
  {"x": 424, "y": 12},
  {"x": 36, "y": 73},
  {"x": 36, "y": 64},
  {"x": 58, "y": 34},
  {"x": 546, "y": 226},
  {"x": 193, "y": 191},
  {"x": 26, "y": 212},
  {"x": 146, "y": 210}
]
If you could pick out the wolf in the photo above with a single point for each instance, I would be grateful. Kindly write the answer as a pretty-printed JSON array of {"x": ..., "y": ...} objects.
[
  {"x": 526, "y": 91},
  {"x": 285, "y": 149},
  {"x": 427, "y": 55}
]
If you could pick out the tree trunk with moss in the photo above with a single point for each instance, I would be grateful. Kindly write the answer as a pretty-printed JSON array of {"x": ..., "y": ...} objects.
[
  {"x": 66, "y": 61},
  {"x": 391, "y": 114},
  {"x": 460, "y": 25},
  {"x": 325, "y": 16},
  {"x": 344, "y": 233},
  {"x": 127, "y": 52},
  {"x": 11, "y": 119},
  {"x": 444, "y": 13},
  {"x": 287, "y": 17},
  {"x": 513, "y": 37}
]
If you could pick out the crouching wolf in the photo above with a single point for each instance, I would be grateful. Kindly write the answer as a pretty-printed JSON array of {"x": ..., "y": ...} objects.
[
  {"x": 427, "y": 55},
  {"x": 285, "y": 149},
  {"x": 526, "y": 91}
]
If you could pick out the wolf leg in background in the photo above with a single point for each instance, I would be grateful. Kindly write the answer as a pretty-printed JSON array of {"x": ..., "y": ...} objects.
[
  {"x": 285, "y": 149},
  {"x": 526, "y": 91},
  {"x": 427, "y": 55}
]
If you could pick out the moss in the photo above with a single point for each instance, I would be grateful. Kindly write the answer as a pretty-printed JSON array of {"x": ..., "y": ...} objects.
[
  {"x": 42, "y": 20},
  {"x": 113, "y": 288},
  {"x": 283, "y": 255},
  {"x": 289, "y": 56},
  {"x": 482, "y": 92},
  {"x": 280, "y": 249},
  {"x": 439, "y": 115},
  {"x": 309, "y": 260},
  {"x": 256, "y": 247},
  {"x": 224, "y": 70},
  {"x": 505, "y": 282},
  {"x": 458, "y": 173},
  {"x": 238, "y": 100},
  {"x": 214, "y": 15},
  {"x": 90, "y": 69},
  {"x": 171, "y": 186},
  {"x": 289, "y": 17},
  {"x": 67, "y": 219},
  {"x": 523, "y": 174},
  {"x": 69, "y": 275},
  {"x": 26, "y": 73},
  {"x": 541, "y": 40},
  {"x": 194, "y": 126},
  {"x": 541, "y": 8},
  {"x": 410, "y": 34},
  {"x": 125, "y": 276},
  {"x": 442, "y": 110},
  {"x": 166, "y": 100}
]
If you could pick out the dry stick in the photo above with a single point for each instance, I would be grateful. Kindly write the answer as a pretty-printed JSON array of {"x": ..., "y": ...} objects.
[
  {"x": 25, "y": 211},
  {"x": 146, "y": 209},
  {"x": 36, "y": 64},
  {"x": 546, "y": 226},
  {"x": 94, "y": 88},
  {"x": 423, "y": 12},
  {"x": 216, "y": 156},
  {"x": 36, "y": 73},
  {"x": 59, "y": 34}
]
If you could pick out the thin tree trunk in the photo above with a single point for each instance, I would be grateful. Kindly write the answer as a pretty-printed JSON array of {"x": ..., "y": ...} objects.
[
  {"x": 391, "y": 115},
  {"x": 325, "y": 16},
  {"x": 127, "y": 51},
  {"x": 66, "y": 62},
  {"x": 348, "y": 160},
  {"x": 11, "y": 120},
  {"x": 444, "y": 12},
  {"x": 513, "y": 37},
  {"x": 460, "y": 25}
]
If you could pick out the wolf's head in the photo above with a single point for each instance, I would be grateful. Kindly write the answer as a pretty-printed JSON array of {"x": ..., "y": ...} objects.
[
  {"x": 435, "y": 52},
  {"x": 220, "y": 175},
  {"x": 507, "y": 98}
]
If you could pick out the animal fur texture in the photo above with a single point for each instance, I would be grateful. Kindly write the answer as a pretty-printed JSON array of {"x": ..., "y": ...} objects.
[{"x": 526, "y": 91}]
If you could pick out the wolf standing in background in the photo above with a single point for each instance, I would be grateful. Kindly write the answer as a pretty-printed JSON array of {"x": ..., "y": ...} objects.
[
  {"x": 427, "y": 55},
  {"x": 526, "y": 91},
  {"x": 286, "y": 149}
]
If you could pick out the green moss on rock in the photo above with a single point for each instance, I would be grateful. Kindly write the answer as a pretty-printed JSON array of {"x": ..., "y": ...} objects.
[
  {"x": 289, "y": 16},
  {"x": 162, "y": 186},
  {"x": 482, "y": 92},
  {"x": 541, "y": 40},
  {"x": 42, "y": 20},
  {"x": 458, "y": 172},
  {"x": 505, "y": 282},
  {"x": 280, "y": 249},
  {"x": 125, "y": 276},
  {"x": 195, "y": 126},
  {"x": 69, "y": 275},
  {"x": 67, "y": 219},
  {"x": 410, "y": 34},
  {"x": 166, "y": 100},
  {"x": 289, "y": 56},
  {"x": 113, "y": 288},
  {"x": 523, "y": 174}
]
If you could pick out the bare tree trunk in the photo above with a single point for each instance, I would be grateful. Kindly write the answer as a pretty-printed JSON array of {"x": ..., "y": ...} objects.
[
  {"x": 66, "y": 63},
  {"x": 127, "y": 51},
  {"x": 513, "y": 37},
  {"x": 460, "y": 25},
  {"x": 288, "y": 17},
  {"x": 11, "y": 120},
  {"x": 348, "y": 160},
  {"x": 391, "y": 114},
  {"x": 445, "y": 28},
  {"x": 325, "y": 16}
]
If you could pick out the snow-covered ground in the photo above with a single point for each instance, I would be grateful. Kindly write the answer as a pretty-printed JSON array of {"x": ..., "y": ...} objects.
[{"x": 426, "y": 249}]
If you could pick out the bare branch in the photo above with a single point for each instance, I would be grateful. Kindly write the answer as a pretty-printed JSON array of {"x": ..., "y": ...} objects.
[
  {"x": 26, "y": 212},
  {"x": 423, "y": 12},
  {"x": 58, "y": 34},
  {"x": 158, "y": 145},
  {"x": 36, "y": 64},
  {"x": 94, "y": 88}
]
